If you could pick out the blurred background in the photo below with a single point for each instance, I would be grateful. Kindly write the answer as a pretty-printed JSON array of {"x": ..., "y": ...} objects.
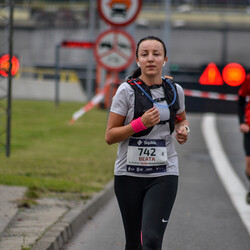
[
  {"x": 196, "y": 32},
  {"x": 56, "y": 77}
]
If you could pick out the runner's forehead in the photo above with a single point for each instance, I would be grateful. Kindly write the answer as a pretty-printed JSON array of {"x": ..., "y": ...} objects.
[{"x": 151, "y": 45}]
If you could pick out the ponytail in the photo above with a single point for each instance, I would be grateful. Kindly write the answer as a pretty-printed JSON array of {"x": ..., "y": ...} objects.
[{"x": 136, "y": 73}]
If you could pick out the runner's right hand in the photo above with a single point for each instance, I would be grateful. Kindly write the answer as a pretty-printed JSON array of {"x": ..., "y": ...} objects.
[{"x": 151, "y": 117}]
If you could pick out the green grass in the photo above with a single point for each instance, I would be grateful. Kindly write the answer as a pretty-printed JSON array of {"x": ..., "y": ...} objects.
[{"x": 49, "y": 154}]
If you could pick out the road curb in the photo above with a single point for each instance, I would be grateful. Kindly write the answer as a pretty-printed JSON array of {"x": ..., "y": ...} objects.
[{"x": 65, "y": 228}]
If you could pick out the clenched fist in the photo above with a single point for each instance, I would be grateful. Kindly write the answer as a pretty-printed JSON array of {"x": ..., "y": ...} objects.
[{"x": 151, "y": 117}]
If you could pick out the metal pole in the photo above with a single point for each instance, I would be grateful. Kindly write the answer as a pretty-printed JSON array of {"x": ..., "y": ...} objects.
[
  {"x": 57, "y": 76},
  {"x": 92, "y": 18},
  {"x": 131, "y": 29},
  {"x": 167, "y": 34},
  {"x": 224, "y": 44},
  {"x": 8, "y": 129}
]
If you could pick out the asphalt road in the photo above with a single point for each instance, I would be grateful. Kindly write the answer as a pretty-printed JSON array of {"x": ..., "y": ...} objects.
[{"x": 203, "y": 217}]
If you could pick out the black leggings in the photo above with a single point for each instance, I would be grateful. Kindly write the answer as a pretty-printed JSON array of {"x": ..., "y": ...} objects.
[{"x": 145, "y": 205}]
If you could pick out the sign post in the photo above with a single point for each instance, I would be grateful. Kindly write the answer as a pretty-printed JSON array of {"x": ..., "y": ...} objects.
[
  {"x": 114, "y": 50},
  {"x": 8, "y": 129}
]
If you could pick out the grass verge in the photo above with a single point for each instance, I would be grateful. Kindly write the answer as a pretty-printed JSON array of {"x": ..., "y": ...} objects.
[{"x": 50, "y": 155}]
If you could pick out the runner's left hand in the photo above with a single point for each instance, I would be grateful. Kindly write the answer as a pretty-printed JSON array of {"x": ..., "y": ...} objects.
[{"x": 181, "y": 134}]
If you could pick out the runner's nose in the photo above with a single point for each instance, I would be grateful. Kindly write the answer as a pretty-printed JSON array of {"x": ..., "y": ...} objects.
[{"x": 150, "y": 57}]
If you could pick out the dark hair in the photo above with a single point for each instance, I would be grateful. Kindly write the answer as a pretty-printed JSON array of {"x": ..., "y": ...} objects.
[
  {"x": 137, "y": 72},
  {"x": 151, "y": 38}
]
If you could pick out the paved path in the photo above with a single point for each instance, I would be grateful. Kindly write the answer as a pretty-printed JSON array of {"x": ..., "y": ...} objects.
[
  {"x": 8, "y": 198},
  {"x": 203, "y": 216}
]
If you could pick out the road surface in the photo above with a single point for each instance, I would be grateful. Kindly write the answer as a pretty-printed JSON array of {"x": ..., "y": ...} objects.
[{"x": 204, "y": 217}]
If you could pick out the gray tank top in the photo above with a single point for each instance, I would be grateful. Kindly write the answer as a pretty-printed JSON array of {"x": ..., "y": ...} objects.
[{"x": 155, "y": 150}]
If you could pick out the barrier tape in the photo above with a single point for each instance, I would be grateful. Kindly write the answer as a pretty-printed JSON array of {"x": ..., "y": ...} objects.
[
  {"x": 210, "y": 95},
  {"x": 188, "y": 92},
  {"x": 93, "y": 102}
]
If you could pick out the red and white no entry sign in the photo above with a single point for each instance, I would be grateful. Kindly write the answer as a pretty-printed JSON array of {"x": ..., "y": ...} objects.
[
  {"x": 119, "y": 12},
  {"x": 114, "y": 50}
]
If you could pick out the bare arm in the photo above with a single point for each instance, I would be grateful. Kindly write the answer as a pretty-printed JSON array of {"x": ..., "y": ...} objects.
[{"x": 116, "y": 130}]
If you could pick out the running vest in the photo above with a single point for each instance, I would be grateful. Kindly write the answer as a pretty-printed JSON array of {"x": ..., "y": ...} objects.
[{"x": 143, "y": 103}]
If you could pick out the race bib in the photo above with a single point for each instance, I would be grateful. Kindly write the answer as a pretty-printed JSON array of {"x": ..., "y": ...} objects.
[{"x": 146, "y": 156}]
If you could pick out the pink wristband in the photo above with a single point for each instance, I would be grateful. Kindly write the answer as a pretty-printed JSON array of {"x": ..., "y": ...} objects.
[{"x": 137, "y": 125}]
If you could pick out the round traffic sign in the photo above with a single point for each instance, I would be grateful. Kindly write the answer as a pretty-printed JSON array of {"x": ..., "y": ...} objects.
[
  {"x": 119, "y": 12},
  {"x": 114, "y": 50}
]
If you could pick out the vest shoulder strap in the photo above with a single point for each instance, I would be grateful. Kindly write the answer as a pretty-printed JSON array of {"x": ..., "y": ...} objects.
[{"x": 169, "y": 77}]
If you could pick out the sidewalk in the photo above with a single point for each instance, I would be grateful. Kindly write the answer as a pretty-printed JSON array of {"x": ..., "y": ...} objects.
[
  {"x": 8, "y": 198},
  {"x": 47, "y": 225}
]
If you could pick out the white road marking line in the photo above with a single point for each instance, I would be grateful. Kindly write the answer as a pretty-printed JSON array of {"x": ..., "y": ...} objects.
[{"x": 230, "y": 180}]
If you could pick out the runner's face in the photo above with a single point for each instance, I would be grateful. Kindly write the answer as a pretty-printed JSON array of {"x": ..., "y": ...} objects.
[{"x": 151, "y": 57}]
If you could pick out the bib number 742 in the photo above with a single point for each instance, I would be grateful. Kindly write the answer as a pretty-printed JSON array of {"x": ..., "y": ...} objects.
[{"x": 147, "y": 151}]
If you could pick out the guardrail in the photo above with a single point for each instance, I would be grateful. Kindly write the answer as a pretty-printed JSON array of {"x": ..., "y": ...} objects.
[{"x": 66, "y": 75}]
